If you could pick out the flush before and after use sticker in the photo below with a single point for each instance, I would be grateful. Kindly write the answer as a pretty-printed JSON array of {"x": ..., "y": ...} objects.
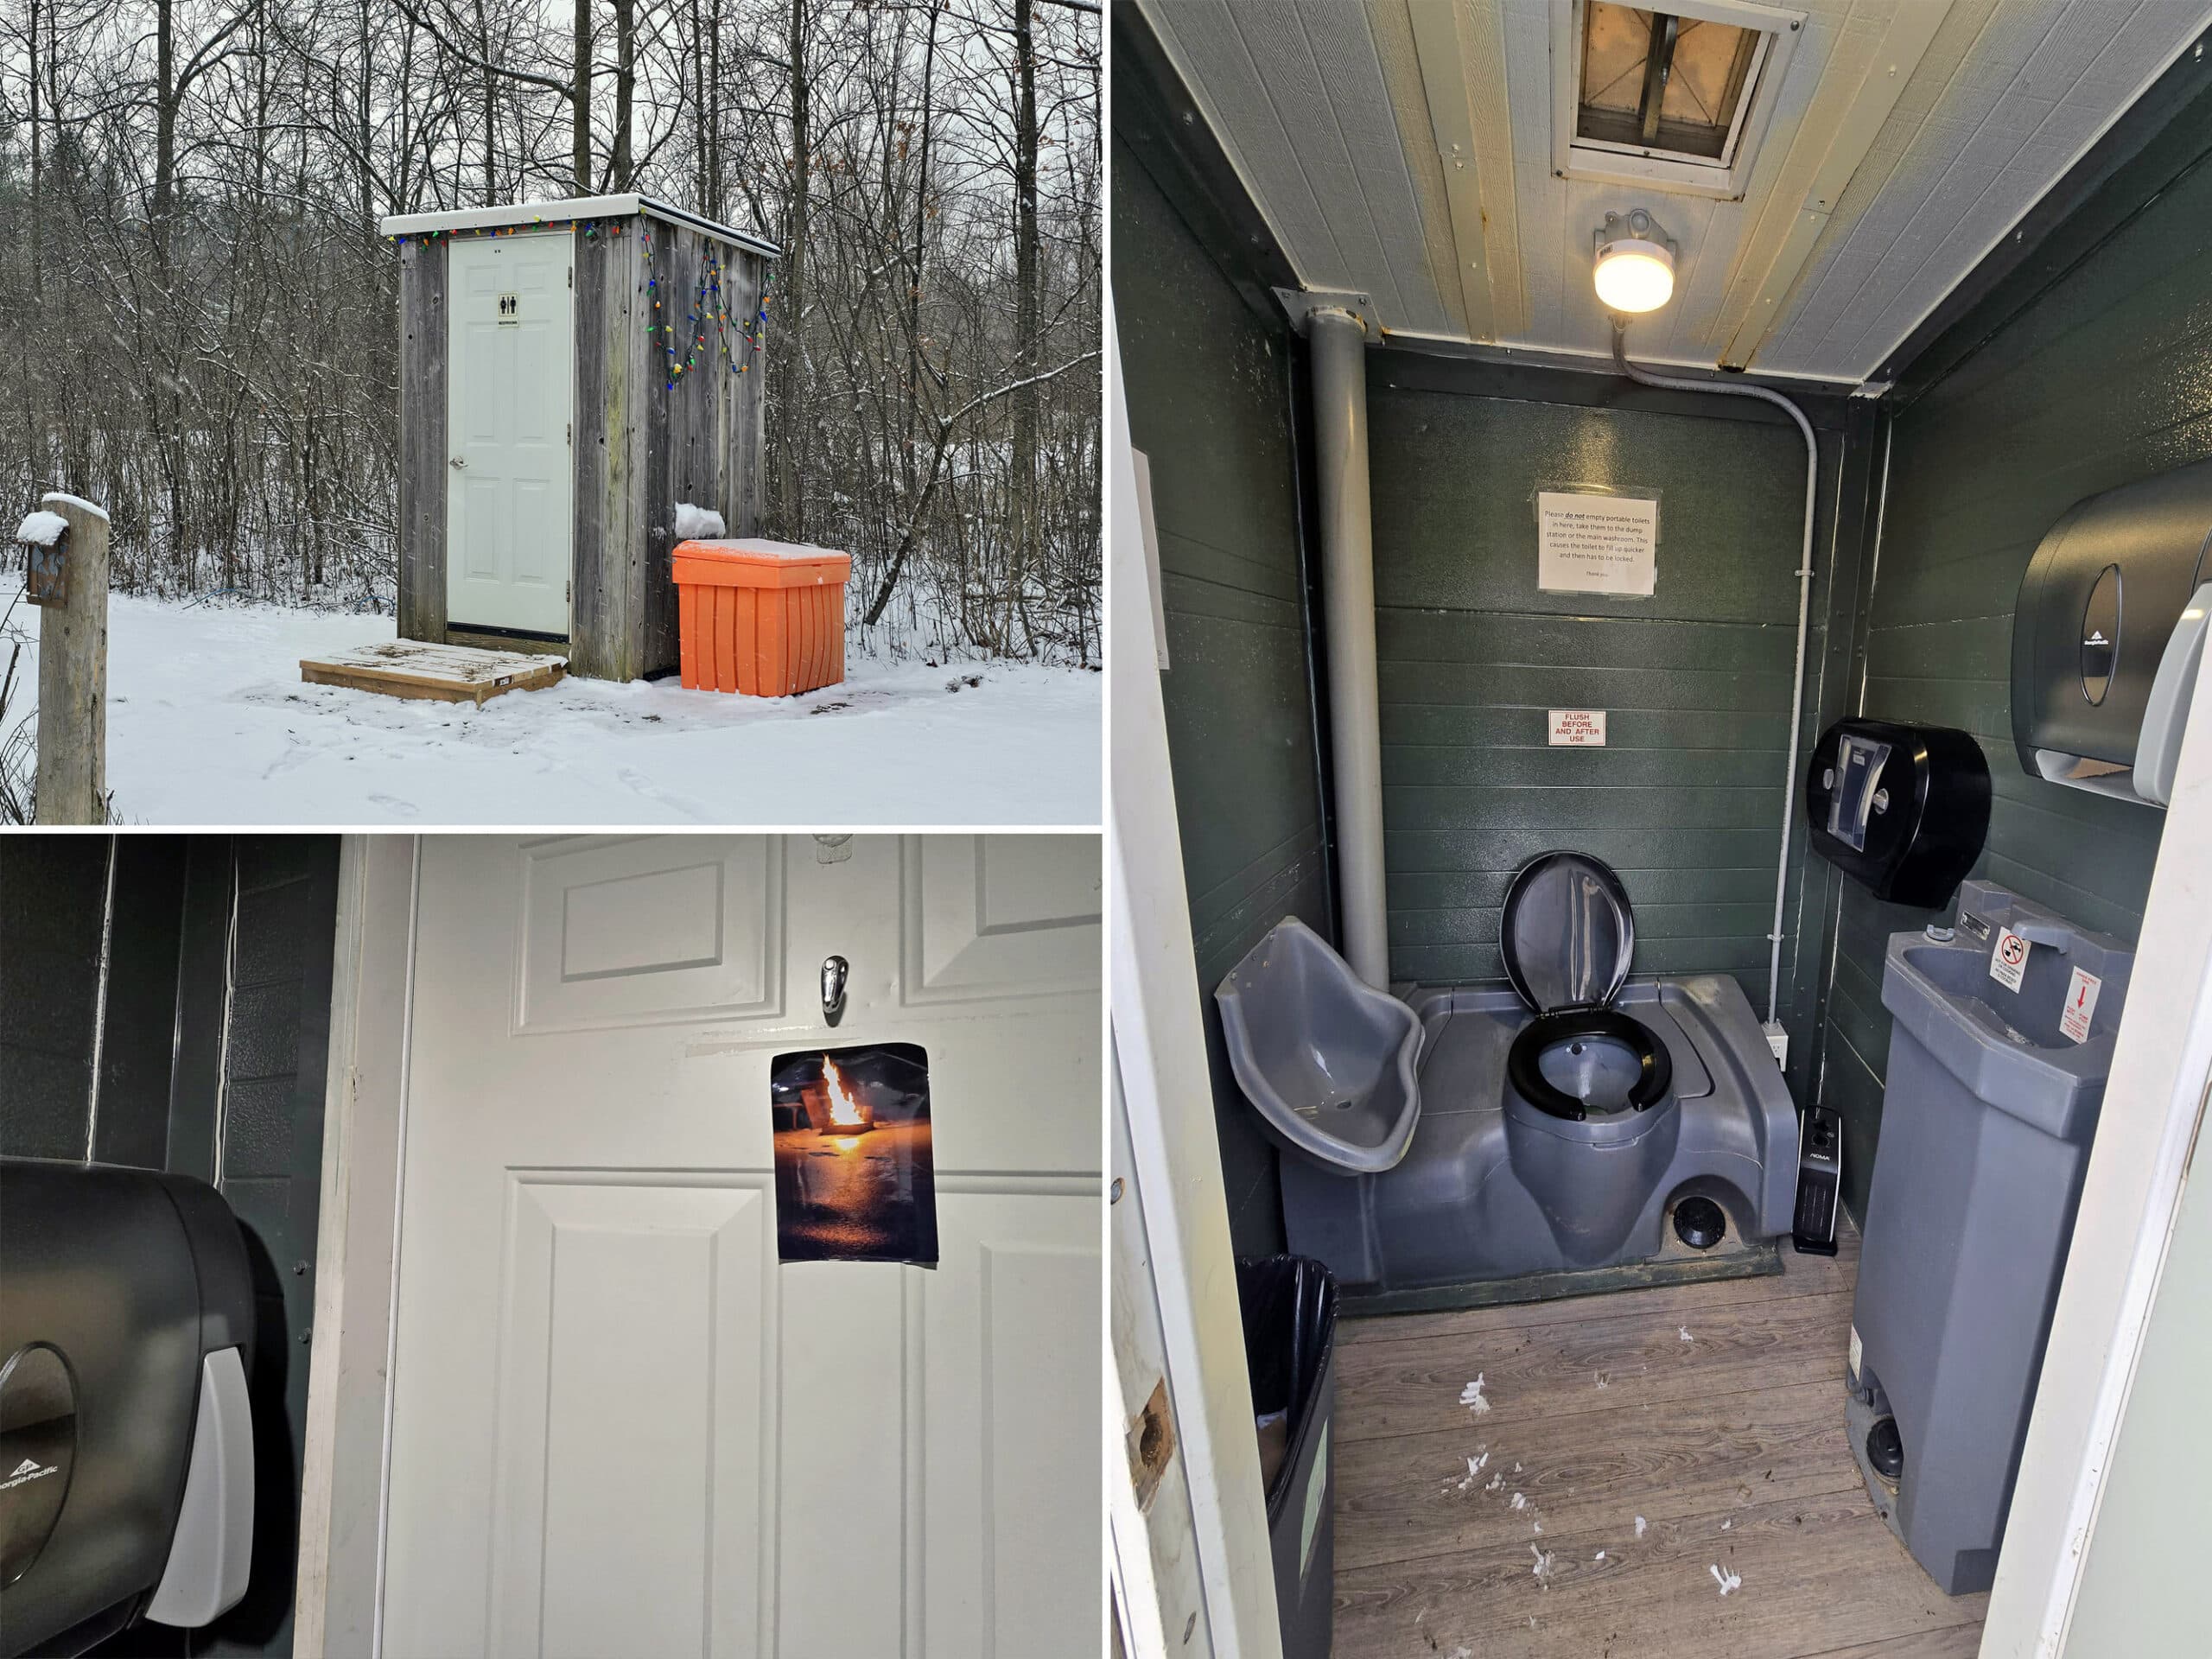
[
  {"x": 2008, "y": 966},
  {"x": 1578, "y": 728}
]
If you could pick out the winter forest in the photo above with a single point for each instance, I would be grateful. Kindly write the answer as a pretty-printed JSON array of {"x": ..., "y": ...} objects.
[{"x": 202, "y": 315}]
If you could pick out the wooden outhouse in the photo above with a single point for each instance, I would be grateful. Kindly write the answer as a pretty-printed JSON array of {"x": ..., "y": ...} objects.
[{"x": 569, "y": 372}]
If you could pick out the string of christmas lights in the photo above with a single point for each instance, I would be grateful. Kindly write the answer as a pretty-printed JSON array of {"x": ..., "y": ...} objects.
[{"x": 708, "y": 304}]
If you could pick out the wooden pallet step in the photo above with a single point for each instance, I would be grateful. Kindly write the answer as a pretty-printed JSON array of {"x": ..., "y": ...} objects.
[{"x": 417, "y": 669}]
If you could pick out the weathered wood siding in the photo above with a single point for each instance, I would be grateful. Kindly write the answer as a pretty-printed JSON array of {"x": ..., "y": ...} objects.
[
  {"x": 644, "y": 440},
  {"x": 605, "y": 601},
  {"x": 423, "y": 439},
  {"x": 702, "y": 427},
  {"x": 744, "y": 435}
]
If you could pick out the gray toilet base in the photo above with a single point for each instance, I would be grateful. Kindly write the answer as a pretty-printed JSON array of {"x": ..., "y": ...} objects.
[
  {"x": 1493, "y": 1189},
  {"x": 1675, "y": 1264}
]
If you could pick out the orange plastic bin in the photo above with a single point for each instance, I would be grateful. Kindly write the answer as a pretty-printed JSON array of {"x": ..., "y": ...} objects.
[{"x": 764, "y": 617}]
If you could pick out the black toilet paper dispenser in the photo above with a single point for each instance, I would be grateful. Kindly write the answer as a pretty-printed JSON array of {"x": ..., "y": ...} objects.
[{"x": 1901, "y": 809}]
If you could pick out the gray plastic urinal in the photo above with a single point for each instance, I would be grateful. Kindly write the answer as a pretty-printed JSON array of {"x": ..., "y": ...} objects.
[{"x": 1327, "y": 1060}]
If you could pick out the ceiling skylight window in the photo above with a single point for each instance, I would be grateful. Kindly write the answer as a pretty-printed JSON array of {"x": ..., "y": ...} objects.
[
  {"x": 1675, "y": 98},
  {"x": 1656, "y": 80}
]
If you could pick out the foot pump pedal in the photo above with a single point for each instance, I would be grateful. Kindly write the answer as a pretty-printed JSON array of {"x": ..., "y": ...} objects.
[{"x": 1820, "y": 1181}]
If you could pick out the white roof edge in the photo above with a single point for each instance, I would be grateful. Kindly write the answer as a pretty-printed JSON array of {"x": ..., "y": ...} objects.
[{"x": 566, "y": 211}]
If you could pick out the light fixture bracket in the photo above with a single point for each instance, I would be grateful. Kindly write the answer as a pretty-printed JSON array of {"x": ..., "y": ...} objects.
[{"x": 1635, "y": 225}]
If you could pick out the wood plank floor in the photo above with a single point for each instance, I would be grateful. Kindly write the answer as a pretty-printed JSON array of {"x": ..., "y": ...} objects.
[{"x": 1714, "y": 1411}]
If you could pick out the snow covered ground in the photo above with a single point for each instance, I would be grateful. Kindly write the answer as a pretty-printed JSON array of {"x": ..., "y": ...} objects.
[{"x": 208, "y": 722}]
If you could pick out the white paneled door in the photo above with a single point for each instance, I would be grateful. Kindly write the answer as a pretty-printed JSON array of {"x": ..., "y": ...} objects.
[
  {"x": 510, "y": 482},
  {"x": 619, "y": 1426}
]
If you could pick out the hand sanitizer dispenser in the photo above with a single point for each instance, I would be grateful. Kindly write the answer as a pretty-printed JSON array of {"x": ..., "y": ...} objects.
[{"x": 2107, "y": 634}]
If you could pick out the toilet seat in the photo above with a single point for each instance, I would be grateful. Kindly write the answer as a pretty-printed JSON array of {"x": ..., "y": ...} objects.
[
  {"x": 1524, "y": 1071},
  {"x": 1568, "y": 935}
]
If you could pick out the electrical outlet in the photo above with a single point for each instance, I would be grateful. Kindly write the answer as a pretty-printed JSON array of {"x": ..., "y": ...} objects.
[{"x": 1778, "y": 1040}]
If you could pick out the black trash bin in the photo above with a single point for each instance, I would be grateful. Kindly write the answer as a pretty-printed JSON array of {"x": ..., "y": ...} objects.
[{"x": 1290, "y": 1346}]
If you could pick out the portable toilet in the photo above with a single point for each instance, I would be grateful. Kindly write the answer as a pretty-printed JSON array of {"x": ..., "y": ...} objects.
[{"x": 569, "y": 372}]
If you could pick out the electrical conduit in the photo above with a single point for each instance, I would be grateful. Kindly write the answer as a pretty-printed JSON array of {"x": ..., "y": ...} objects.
[{"x": 1671, "y": 382}]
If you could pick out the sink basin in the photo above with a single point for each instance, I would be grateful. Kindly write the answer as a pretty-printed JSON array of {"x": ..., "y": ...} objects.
[
  {"x": 2006, "y": 1046},
  {"x": 1989, "y": 1116},
  {"x": 1961, "y": 977},
  {"x": 1326, "y": 1060}
]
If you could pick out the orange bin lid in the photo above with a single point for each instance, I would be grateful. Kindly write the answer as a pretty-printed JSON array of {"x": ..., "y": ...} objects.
[{"x": 756, "y": 562}]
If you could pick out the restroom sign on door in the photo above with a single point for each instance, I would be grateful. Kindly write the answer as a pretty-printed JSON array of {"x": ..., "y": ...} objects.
[{"x": 1578, "y": 728}]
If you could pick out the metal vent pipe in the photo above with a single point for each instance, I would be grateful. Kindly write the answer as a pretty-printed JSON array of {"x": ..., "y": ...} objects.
[{"x": 1338, "y": 342}]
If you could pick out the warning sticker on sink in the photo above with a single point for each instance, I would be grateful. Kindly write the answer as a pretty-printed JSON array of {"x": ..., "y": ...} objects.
[
  {"x": 2008, "y": 959},
  {"x": 2080, "y": 1005}
]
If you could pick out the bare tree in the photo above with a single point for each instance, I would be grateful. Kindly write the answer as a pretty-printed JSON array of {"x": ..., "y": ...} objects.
[{"x": 202, "y": 306}]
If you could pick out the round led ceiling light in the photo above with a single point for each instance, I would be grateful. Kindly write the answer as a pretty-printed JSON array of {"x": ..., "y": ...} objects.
[{"x": 1634, "y": 269}]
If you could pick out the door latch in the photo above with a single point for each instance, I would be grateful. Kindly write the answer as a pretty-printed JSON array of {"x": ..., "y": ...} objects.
[
  {"x": 458, "y": 463},
  {"x": 834, "y": 972}
]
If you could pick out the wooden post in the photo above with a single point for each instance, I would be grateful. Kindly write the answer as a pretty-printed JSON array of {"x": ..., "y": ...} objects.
[{"x": 72, "y": 678}]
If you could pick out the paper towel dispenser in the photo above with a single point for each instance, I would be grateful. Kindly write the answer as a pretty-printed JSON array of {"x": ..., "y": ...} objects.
[
  {"x": 1903, "y": 809},
  {"x": 126, "y": 1444},
  {"x": 2108, "y": 633}
]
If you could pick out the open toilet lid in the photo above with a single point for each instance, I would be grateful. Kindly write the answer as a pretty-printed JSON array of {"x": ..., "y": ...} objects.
[{"x": 1569, "y": 932}]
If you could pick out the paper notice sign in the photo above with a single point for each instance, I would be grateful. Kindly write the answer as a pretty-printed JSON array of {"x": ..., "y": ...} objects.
[
  {"x": 2008, "y": 959},
  {"x": 1596, "y": 543},
  {"x": 2080, "y": 1005},
  {"x": 1578, "y": 728}
]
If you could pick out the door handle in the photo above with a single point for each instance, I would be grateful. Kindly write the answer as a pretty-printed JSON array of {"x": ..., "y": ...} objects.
[
  {"x": 834, "y": 972},
  {"x": 458, "y": 463}
]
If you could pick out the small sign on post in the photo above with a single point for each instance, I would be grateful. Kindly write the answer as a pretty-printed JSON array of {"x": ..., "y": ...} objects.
[{"x": 67, "y": 540}]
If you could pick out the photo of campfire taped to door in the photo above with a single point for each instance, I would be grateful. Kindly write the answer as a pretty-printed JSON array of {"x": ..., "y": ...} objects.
[{"x": 854, "y": 1180}]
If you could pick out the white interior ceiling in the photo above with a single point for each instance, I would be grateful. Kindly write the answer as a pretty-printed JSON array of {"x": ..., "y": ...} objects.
[{"x": 1907, "y": 137}]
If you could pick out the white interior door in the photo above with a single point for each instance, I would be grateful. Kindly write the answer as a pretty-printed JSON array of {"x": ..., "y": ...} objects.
[
  {"x": 509, "y": 358},
  {"x": 619, "y": 1426}
]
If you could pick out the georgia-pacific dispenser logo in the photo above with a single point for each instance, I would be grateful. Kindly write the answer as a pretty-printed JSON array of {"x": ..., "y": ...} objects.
[{"x": 28, "y": 1469}]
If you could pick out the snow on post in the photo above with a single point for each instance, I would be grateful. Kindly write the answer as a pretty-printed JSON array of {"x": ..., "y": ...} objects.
[
  {"x": 41, "y": 529},
  {"x": 72, "y": 664}
]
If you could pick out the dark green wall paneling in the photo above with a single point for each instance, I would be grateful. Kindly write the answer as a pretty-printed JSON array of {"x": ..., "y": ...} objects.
[
  {"x": 276, "y": 1066},
  {"x": 139, "y": 1036},
  {"x": 1209, "y": 405},
  {"x": 53, "y": 896},
  {"x": 1685, "y": 800},
  {"x": 208, "y": 1009},
  {"x": 2091, "y": 368}
]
